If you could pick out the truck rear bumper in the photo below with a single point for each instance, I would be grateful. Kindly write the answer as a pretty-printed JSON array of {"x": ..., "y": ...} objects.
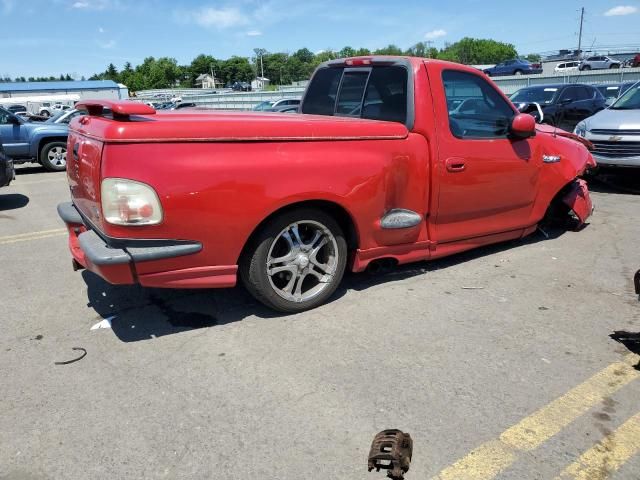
[{"x": 115, "y": 259}]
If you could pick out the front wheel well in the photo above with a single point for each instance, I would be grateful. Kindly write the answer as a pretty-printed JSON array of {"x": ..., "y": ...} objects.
[
  {"x": 43, "y": 141},
  {"x": 338, "y": 212}
]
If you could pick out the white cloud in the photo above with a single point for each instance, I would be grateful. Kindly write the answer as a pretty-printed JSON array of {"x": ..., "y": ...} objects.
[
  {"x": 100, "y": 30},
  {"x": 621, "y": 10},
  {"x": 433, "y": 34},
  {"x": 95, "y": 4},
  {"x": 254, "y": 33},
  {"x": 211, "y": 17}
]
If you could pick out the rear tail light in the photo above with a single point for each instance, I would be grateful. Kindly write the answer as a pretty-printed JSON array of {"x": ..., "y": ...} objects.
[{"x": 127, "y": 202}]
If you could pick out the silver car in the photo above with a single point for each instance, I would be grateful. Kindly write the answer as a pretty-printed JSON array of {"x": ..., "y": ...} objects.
[
  {"x": 615, "y": 131},
  {"x": 599, "y": 62}
]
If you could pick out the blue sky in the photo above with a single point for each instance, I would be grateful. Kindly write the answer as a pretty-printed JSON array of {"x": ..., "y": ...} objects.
[{"x": 49, "y": 37}]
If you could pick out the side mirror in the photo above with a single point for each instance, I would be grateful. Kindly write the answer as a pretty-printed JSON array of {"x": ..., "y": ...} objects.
[{"x": 523, "y": 125}]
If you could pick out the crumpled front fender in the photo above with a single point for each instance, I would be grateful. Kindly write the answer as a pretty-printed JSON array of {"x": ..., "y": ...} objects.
[{"x": 578, "y": 200}]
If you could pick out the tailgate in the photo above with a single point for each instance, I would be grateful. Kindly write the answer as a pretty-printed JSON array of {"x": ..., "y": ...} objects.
[{"x": 84, "y": 156}]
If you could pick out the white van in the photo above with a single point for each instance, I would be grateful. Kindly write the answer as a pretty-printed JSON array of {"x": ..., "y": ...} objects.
[{"x": 566, "y": 67}]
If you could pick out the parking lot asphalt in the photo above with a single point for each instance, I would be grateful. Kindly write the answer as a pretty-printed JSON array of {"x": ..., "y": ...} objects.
[{"x": 499, "y": 363}]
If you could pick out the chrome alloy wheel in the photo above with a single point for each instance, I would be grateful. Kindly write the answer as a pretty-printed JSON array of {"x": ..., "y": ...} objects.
[
  {"x": 302, "y": 261},
  {"x": 57, "y": 156}
]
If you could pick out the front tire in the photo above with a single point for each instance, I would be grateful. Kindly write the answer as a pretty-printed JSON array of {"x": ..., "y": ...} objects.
[
  {"x": 518, "y": 72},
  {"x": 296, "y": 261},
  {"x": 53, "y": 156}
]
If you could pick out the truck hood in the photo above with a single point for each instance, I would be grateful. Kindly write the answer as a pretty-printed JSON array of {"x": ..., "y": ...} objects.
[
  {"x": 614, "y": 120},
  {"x": 200, "y": 126}
]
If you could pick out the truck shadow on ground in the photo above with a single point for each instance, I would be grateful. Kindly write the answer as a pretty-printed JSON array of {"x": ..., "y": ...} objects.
[
  {"x": 630, "y": 340},
  {"x": 12, "y": 201},
  {"x": 30, "y": 170},
  {"x": 137, "y": 313}
]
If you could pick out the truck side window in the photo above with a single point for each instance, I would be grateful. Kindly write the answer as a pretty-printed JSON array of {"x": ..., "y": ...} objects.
[
  {"x": 476, "y": 109},
  {"x": 321, "y": 96}
]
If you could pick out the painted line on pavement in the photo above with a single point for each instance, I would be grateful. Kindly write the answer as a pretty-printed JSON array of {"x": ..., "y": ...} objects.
[
  {"x": 608, "y": 455},
  {"x": 23, "y": 237},
  {"x": 492, "y": 457}
]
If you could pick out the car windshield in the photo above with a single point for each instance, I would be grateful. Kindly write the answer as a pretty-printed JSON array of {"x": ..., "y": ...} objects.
[
  {"x": 535, "y": 94},
  {"x": 55, "y": 117},
  {"x": 630, "y": 100}
]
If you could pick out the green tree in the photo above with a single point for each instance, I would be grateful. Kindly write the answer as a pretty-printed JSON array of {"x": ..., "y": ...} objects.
[
  {"x": 304, "y": 55},
  {"x": 478, "y": 51},
  {"x": 389, "y": 50},
  {"x": 347, "y": 52}
]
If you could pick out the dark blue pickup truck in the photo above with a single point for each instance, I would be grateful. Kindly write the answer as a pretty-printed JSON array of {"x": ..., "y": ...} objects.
[{"x": 45, "y": 143}]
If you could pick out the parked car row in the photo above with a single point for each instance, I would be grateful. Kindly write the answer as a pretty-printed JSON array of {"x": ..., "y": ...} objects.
[
  {"x": 563, "y": 105},
  {"x": 277, "y": 105}
]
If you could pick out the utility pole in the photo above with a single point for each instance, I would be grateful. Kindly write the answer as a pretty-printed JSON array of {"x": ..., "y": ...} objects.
[
  {"x": 429, "y": 43},
  {"x": 580, "y": 34}
]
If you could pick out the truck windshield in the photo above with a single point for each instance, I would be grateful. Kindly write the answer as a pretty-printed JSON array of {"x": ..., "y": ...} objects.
[
  {"x": 535, "y": 94},
  {"x": 630, "y": 100},
  {"x": 377, "y": 93}
]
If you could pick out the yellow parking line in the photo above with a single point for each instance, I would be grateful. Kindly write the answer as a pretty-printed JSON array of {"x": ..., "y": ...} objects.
[
  {"x": 608, "y": 455},
  {"x": 32, "y": 236},
  {"x": 492, "y": 457}
]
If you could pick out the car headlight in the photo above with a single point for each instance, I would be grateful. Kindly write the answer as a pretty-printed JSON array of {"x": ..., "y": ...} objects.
[
  {"x": 127, "y": 202},
  {"x": 581, "y": 129}
]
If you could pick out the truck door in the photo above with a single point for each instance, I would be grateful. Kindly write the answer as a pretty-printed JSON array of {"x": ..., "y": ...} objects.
[
  {"x": 12, "y": 135},
  {"x": 488, "y": 181}
]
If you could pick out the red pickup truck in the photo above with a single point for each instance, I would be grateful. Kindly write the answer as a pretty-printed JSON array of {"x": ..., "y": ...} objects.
[{"x": 392, "y": 159}]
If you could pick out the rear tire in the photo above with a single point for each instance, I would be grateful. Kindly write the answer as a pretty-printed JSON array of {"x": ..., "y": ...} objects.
[
  {"x": 518, "y": 72},
  {"x": 53, "y": 156},
  {"x": 296, "y": 261}
]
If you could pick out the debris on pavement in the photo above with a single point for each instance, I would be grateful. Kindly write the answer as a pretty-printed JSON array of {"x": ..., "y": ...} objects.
[
  {"x": 67, "y": 362},
  {"x": 391, "y": 450},
  {"x": 106, "y": 323}
]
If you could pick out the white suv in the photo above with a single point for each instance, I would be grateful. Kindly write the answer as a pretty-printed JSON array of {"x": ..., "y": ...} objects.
[
  {"x": 600, "y": 62},
  {"x": 566, "y": 67}
]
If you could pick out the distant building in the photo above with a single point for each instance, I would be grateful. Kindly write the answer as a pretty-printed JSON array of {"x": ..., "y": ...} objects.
[
  {"x": 86, "y": 89},
  {"x": 260, "y": 83},
  {"x": 208, "y": 81}
]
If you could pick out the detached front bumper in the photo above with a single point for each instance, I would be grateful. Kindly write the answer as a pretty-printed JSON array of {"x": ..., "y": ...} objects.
[
  {"x": 578, "y": 200},
  {"x": 115, "y": 260}
]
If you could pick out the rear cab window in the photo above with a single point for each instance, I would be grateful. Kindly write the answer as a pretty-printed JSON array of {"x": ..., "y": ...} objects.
[{"x": 376, "y": 93}]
